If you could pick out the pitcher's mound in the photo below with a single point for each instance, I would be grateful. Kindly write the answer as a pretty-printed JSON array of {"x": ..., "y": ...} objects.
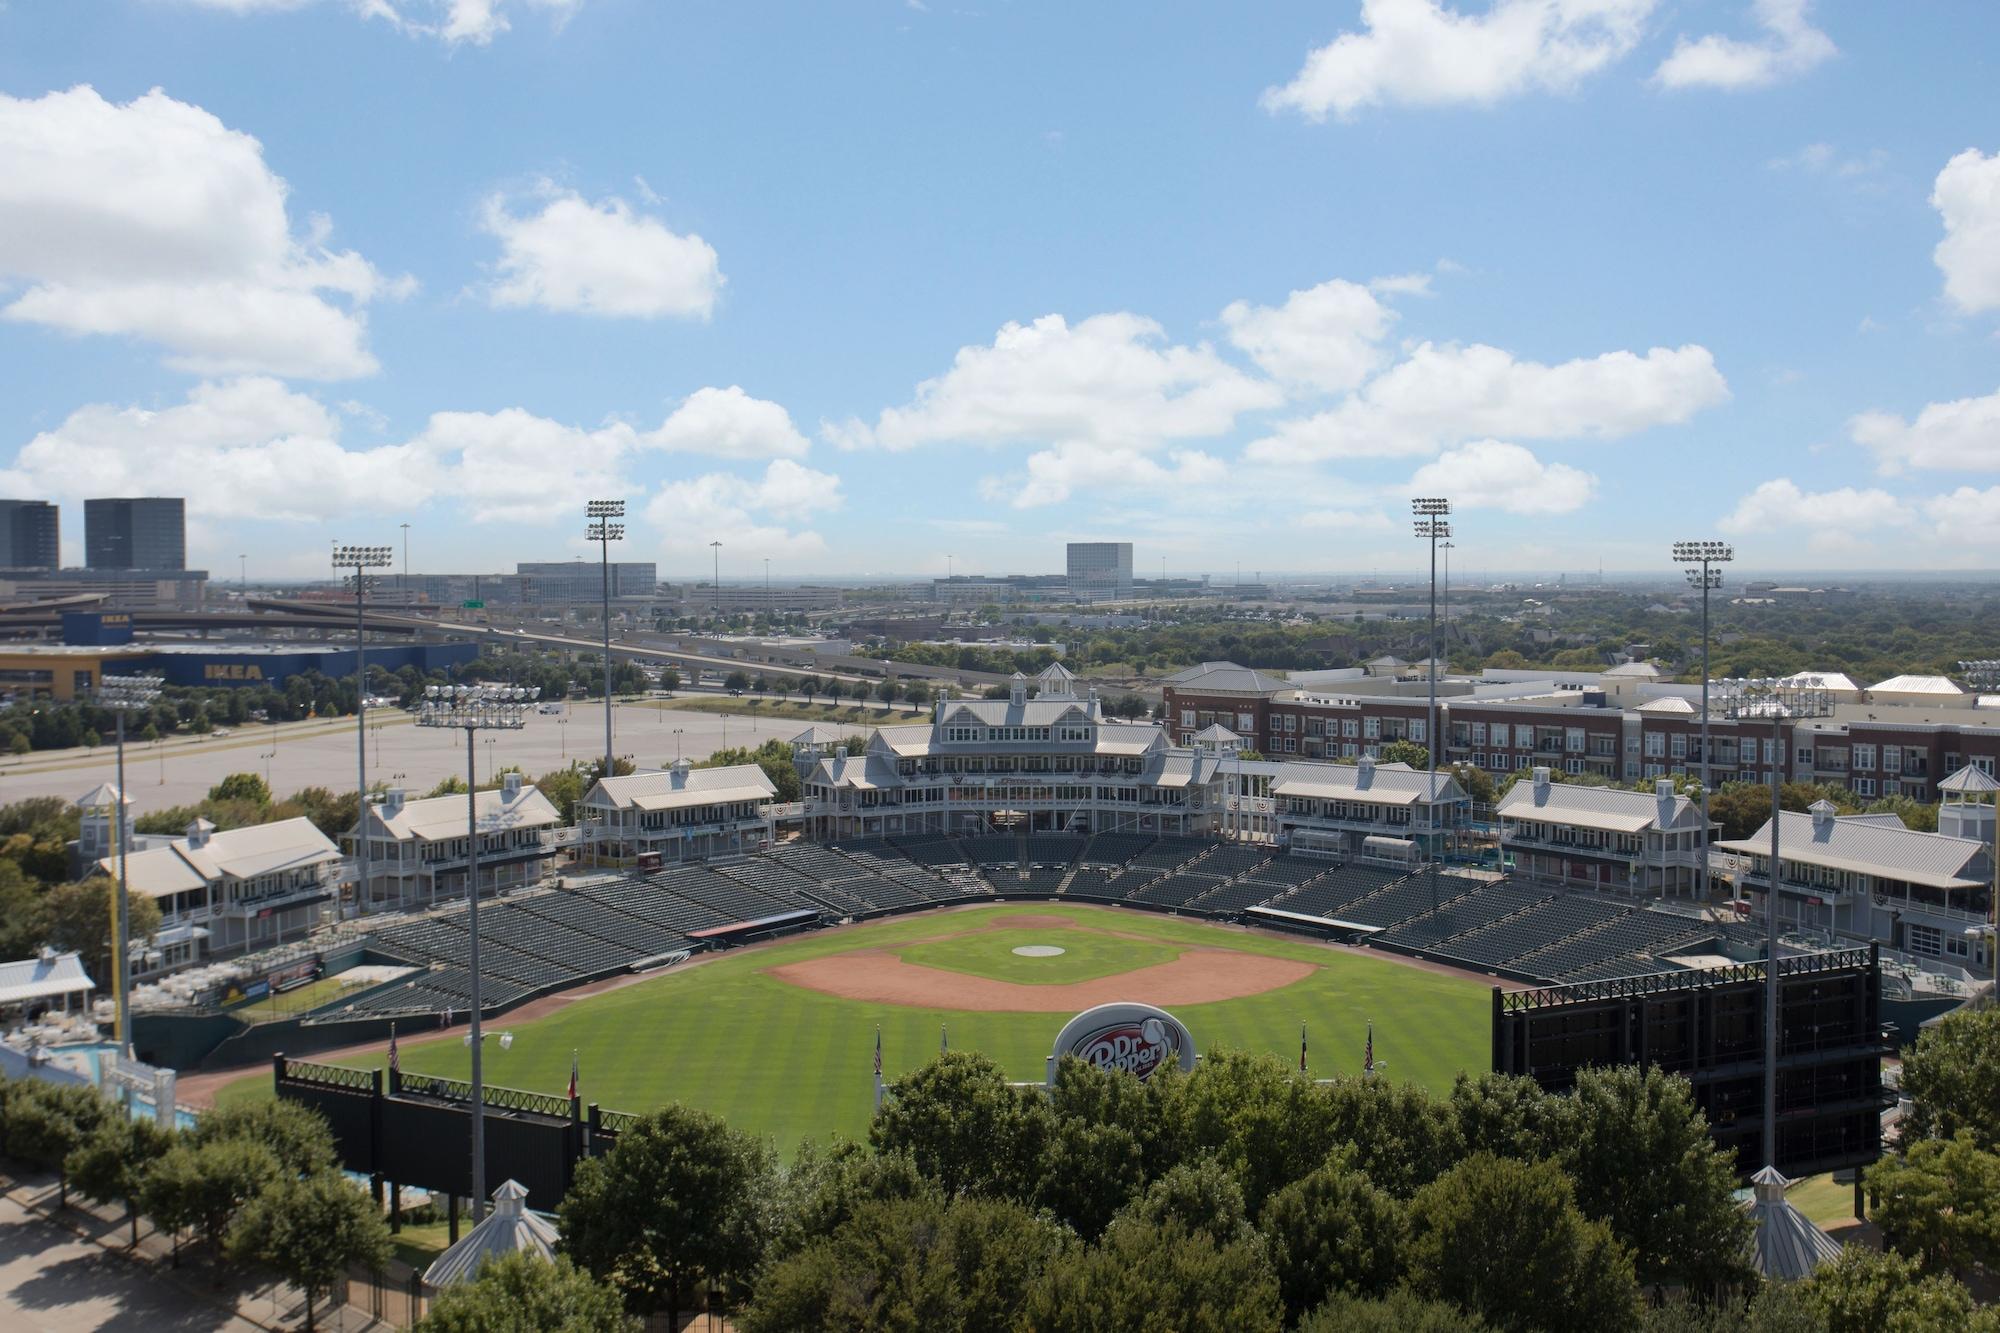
[{"x": 1039, "y": 951}]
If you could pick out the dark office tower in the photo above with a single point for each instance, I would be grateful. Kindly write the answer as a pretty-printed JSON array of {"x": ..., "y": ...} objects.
[
  {"x": 30, "y": 534},
  {"x": 149, "y": 533}
]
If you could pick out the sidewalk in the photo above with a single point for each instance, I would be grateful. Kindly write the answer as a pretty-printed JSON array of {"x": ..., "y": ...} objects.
[{"x": 69, "y": 1270}]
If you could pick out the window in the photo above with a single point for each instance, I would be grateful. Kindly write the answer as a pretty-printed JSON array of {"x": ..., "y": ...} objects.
[
  {"x": 1350, "y": 727},
  {"x": 1864, "y": 756},
  {"x": 1771, "y": 754},
  {"x": 1984, "y": 763},
  {"x": 1417, "y": 730},
  {"x": 1573, "y": 740},
  {"x": 1655, "y": 771},
  {"x": 1371, "y": 728},
  {"x": 1347, "y": 750},
  {"x": 1891, "y": 787},
  {"x": 1656, "y": 745},
  {"x": 1572, "y": 765},
  {"x": 1925, "y": 940},
  {"x": 1864, "y": 786},
  {"x": 1479, "y": 733},
  {"x": 1187, "y": 717},
  {"x": 1524, "y": 737},
  {"x": 1892, "y": 759},
  {"x": 1678, "y": 745},
  {"x": 1246, "y": 723},
  {"x": 1291, "y": 722}
]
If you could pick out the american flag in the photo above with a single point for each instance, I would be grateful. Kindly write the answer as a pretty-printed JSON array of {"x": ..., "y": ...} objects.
[
  {"x": 395, "y": 1063},
  {"x": 1302, "y": 1048},
  {"x": 572, "y": 1074},
  {"x": 878, "y": 1050},
  {"x": 1368, "y": 1052}
]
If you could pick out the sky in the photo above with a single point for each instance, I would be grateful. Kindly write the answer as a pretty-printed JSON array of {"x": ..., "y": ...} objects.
[{"x": 895, "y": 287}]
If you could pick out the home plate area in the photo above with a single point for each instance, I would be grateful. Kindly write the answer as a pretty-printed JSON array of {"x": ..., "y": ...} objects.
[{"x": 1040, "y": 964}]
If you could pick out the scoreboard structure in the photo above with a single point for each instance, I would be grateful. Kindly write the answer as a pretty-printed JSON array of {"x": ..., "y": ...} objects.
[{"x": 1707, "y": 1025}]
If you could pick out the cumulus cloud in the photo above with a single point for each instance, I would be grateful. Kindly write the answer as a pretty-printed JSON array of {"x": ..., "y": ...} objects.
[
  {"x": 1492, "y": 474},
  {"x": 1054, "y": 475},
  {"x": 599, "y": 258},
  {"x": 1422, "y": 53},
  {"x": 1790, "y": 45},
  {"x": 1445, "y": 393},
  {"x": 1327, "y": 337},
  {"x": 1783, "y": 504},
  {"x": 1963, "y": 434},
  {"x": 154, "y": 220},
  {"x": 284, "y": 459},
  {"x": 1966, "y": 516},
  {"x": 473, "y": 22},
  {"x": 1967, "y": 197},
  {"x": 739, "y": 511},
  {"x": 1112, "y": 380}
]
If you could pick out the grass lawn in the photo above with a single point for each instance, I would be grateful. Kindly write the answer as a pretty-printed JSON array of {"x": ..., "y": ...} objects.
[
  {"x": 1087, "y": 954},
  {"x": 418, "y": 1243},
  {"x": 844, "y": 714},
  {"x": 787, "y": 1063},
  {"x": 1824, "y": 1202},
  {"x": 309, "y": 996}
]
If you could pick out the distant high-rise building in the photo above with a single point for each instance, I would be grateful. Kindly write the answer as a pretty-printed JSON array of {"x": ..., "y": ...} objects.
[
  {"x": 1100, "y": 571},
  {"x": 139, "y": 533},
  {"x": 30, "y": 534}
]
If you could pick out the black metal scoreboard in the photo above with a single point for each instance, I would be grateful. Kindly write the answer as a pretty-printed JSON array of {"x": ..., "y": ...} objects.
[{"x": 1707, "y": 1025}]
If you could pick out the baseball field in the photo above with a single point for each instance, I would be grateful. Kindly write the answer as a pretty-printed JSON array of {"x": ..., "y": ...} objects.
[{"x": 779, "y": 1038}]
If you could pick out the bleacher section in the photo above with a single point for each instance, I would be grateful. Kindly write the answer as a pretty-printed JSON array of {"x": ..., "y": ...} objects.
[{"x": 552, "y": 940}]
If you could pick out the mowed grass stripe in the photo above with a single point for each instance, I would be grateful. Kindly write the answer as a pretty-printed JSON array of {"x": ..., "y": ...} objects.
[{"x": 785, "y": 1063}]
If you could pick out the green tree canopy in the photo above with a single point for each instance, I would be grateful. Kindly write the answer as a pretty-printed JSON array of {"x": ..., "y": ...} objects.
[
  {"x": 1332, "y": 1233},
  {"x": 1398, "y": 1312},
  {"x": 1869, "y": 1291},
  {"x": 1145, "y": 1279},
  {"x": 964, "y": 1127},
  {"x": 524, "y": 1293},
  {"x": 1940, "y": 1203},
  {"x": 1953, "y": 1076},
  {"x": 241, "y": 787},
  {"x": 309, "y": 1230}
]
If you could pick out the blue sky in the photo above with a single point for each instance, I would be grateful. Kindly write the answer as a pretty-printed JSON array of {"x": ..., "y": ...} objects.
[{"x": 857, "y": 286}]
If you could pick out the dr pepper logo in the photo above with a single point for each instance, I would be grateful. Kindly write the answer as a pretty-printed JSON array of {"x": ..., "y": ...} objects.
[{"x": 1136, "y": 1048}]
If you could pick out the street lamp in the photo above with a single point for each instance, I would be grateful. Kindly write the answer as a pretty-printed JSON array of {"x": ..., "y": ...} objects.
[
  {"x": 1706, "y": 555},
  {"x": 715, "y": 580},
  {"x": 361, "y": 559},
  {"x": 604, "y": 532},
  {"x": 1430, "y": 525},
  {"x": 472, "y": 709},
  {"x": 122, "y": 695},
  {"x": 1750, "y": 701}
]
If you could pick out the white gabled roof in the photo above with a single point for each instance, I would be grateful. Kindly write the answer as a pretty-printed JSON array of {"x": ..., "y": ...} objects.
[
  {"x": 39, "y": 978},
  {"x": 1939, "y": 685},
  {"x": 243, "y": 853},
  {"x": 1606, "y": 808},
  {"x": 103, "y": 794},
  {"x": 1971, "y": 781},
  {"x": 1635, "y": 671},
  {"x": 1227, "y": 678},
  {"x": 1834, "y": 681},
  {"x": 436, "y": 818},
  {"x": 1388, "y": 784},
  {"x": 1669, "y": 705},
  {"x": 1866, "y": 847},
  {"x": 666, "y": 790}
]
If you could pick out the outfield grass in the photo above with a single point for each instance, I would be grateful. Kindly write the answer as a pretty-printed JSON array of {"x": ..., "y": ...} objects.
[
  {"x": 1087, "y": 955},
  {"x": 786, "y": 1063}
]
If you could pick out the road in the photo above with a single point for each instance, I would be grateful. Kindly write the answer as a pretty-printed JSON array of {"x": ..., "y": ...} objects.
[{"x": 321, "y": 754}]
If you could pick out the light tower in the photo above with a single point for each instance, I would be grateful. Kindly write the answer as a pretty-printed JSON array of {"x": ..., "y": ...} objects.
[
  {"x": 1430, "y": 514},
  {"x": 604, "y": 532},
  {"x": 122, "y": 695},
  {"x": 1701, "y": 559},
  {"x": 1749, "y": 701},
  {"x": 472, "y": 709},
  {"x": 361, "y": 559},
  {"x": 1967, "y": 786}
]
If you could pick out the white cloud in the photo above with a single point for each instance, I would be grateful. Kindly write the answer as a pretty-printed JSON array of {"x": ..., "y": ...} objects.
[
  {"x": 1402, "y": 284},
  {"x": 1782, "y": 504},
  {"x": 1967, "y": 196},
  {"x": 155, "y": 220},
  {"x": 738, "y": 511},
  {"x": 253, "y": 449},
  {"x": 1349, "y": 522},
  {"x": 475, "y": 22},
  {"x": 1420, "y": 53},
  {"x": 1111, "y": 380},
  {"x": 1790, "y": 45},
  {"x": 1963, "y": 434},
  {"x": 1966, "y": 516},
  {"x": 1054, "y": 475},
  {"x": 1445, "y": 393},
  {"x": 1327, "y": 337},
  {"x": 729, "y": 423},
  {"x": 599, "y": 259},
  {"x": 1492, "y": 474}
]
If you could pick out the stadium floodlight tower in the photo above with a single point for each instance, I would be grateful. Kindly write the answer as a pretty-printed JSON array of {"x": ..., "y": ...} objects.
[
  {"x": 122, "y": 695},
  {"x": 1701, "y": 559},
  {"x": 361, "y": 559},
  {"x": 604, "y": 532},
  {"x": 1983, "y": 674},
  {"x": 1746, "y": 700},
  {"x": 1430, "y": 514},
  {"x": 472, "y": 709}
]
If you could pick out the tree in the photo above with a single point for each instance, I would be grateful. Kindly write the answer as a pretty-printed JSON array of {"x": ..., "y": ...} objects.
[
  {"x": 1869, "y": 1291},
  {"x": 1398, "y": 1312},
  {"x": 916, "y": 1263},
  {"x": 916, "y": 695},
  {"x": 1953, "y": 1076},
  {"x": 1507, "y": 1115},
  {"x": 297, "y": 1137},
  {"x": 1642, "y": 1159},
  {"x": 47, "y": 1122},
  {"x": 1407, "y": 752},
  {"x": 1332, "y": 1233},
  {"x": 964, "y": 1127},
  {"x": 670, "y": 680},
  {"x": 241, "y": 787},
  {"x": 1403, "y": 1138},
  {"x": 824, "y": 1186},
  {"x": 833, "y": 690},
  {"x": 80, "y": 920},
  {"x": 1089, "y": 1172},
  {"x": 1477, "y": 782},
  {"x": 1146, "y": 1279},
  {"x": 678, "y": 1200},
  {"x": 24, "y": 916},
  {"x": 1200, "y": 1196},
  {"x": 525, "y": 1293},
  {"x": 309, "y": 1230},
  {"x": 1940, "y": 1203},
  {"x": 1507, "y": 1241},
  {"x": 1776, "y": 1308},
  {"x": 760, "y": 685},
  {"x": 736, "y": 680},
  {"x": 887, "y": 692},
  {"x": 1259, "y": 1117},
  {"x": 202, "y": 1187},
  {"x": 110, "y": 1166},
  {"x": 808, "y": 687}
]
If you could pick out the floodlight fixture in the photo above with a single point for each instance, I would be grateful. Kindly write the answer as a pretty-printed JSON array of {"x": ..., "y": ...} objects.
[
  {"x": 1435, "y": 505},
  {"x": 604, "y": 509},
  {"x": 1430, "y": 526},
  {"x": 604, "y": 532},
  {"x": 1703, "y": 553},
  {"x": 362, "y": 557},
  {"x": 123, "y": 694},
  {"x": 1701, "y": 557}
]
